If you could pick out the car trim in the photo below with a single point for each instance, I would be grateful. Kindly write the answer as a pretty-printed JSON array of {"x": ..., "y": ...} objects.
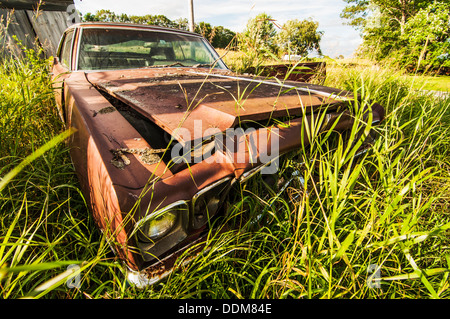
[
  {"x": 250, "y": 173},
  {"x": 282, "y": 85},
  {"x": 61, "y": 43},
  {"x": 137, "y": 28},
  {"x": 103, "y": 25},
  {"x": 207, "y": 188},
  {"x": 78, "y": 49}
]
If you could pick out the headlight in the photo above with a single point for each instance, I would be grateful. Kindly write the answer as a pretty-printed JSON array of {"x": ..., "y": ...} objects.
[
  {"x": 207, "y": 202},
  {"x": 160, "y": 223},
  {"x": 158, "y": 226}
]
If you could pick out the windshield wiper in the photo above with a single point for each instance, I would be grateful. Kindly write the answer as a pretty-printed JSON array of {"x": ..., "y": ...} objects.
[
  {"x": 199, "y": 65},
  {"x": 165, "y": 65},
  {"x": 203, "y": 65}
]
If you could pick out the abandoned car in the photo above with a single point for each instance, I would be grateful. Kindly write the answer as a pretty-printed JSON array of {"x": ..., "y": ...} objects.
[{"x": 164, "y": 129}]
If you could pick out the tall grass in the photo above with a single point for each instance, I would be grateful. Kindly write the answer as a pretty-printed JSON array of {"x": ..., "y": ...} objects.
[
  {"x": 372, "y": 226},
  {"x": 375, "y": 226},
  {"x": 44, "y": 224}
]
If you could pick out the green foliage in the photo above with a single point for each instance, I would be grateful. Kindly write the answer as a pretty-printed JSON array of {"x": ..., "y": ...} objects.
[
  {"x": 44, "y": 221},
  {"x": 321, "y": 237},
  {"x": 428, "y": 38},
  {"x": 356, "y": 12},
  {"x": 219, "y": 37},
  {"x": 261, "y": 41},
  {"x": 380, "y": 40},
  {"x": 259, "y": 35},
  {"x": 24, "y": 90},
  {"x": 359, "y": 11},
  {"x": 413, "y": 33},
  {"x": 257, "y": 42},
  {"x": 300, "y": 37}
]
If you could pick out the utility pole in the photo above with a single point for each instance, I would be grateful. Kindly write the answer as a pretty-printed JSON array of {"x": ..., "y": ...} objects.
[{"x": 191, "y": 20}]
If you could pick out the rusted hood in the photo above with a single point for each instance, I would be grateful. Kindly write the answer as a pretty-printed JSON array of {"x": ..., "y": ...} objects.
[{"x": 178, "y": 97}]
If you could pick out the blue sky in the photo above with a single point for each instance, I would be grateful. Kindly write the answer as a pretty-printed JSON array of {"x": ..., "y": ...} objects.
[{"x": 234, "y": 14}]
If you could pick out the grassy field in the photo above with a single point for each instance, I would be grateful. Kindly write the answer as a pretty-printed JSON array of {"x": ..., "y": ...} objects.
[
  {"x": 417, "y": 81},
  {"x": 434, "y": 83},
  {"x": 385, "y": 213}
]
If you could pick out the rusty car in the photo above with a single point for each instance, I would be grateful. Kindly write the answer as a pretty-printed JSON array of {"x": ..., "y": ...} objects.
[{"x": 154, "y": 109}]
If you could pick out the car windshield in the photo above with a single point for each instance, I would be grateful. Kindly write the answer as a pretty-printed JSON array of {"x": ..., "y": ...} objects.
[{"x": 113, "y": 49}]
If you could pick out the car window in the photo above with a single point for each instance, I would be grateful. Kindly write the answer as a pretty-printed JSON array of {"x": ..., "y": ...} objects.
[
  {"x": 66, "y": 49},
  {"x": 106, "y": 49}
]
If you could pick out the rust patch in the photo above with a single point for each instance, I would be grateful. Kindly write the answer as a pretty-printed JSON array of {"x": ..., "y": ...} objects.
[
  {"x": 185, "y": 97},
  {"x": 119, "y": 159},
  {"x": 147, "y": 155},
  {"x": 105, "y": 110}
]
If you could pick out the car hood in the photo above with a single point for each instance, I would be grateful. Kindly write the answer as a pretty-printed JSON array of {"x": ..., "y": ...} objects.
[{"x": 199, "y": 99}]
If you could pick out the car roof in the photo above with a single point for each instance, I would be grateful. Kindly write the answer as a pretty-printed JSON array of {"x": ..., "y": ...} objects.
[{"x": 129, "y": 26}]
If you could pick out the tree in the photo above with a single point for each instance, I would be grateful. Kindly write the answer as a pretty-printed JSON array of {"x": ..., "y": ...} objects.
[
  {"x": 181, "y": 23},
  {"x": 89, "y": 17},
  {"x": 123, "y": 18},
  {"x": 259, "y": 36},
  {"x": 398, "y": 10},
  {"x": 356, "y": 12},
  {"x": 300, "y": 37},
  {"x": 222, "y": 37},
  {"x": 413, "y": 32},
  {"x": 428, "y": 36},
  {"x": 206, "y": 30},
  {"x": 106, "y": 16},
  {"x": 219, "y": 37}
]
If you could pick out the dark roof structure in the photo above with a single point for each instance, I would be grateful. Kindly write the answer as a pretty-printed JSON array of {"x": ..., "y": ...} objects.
[
  {"x": 34, "y": 23},
  {"x": 47, "y": 5}
]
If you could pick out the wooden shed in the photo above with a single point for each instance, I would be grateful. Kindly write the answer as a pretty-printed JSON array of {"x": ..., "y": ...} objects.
[{"x": 34, "y": 23}]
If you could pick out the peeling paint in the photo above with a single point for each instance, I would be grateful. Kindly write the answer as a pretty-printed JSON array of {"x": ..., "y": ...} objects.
[
  {"x": 119, "y": 159},
  {"x": 105, "y": 110},
  {"x": 147, "y": 155}
]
